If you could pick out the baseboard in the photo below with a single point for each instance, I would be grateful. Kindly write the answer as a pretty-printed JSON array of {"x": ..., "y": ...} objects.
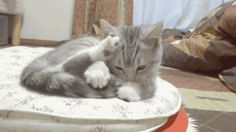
[{"x": 38, "y": 42}]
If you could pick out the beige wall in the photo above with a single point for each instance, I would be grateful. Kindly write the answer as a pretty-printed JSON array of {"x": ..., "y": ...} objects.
[{"x": 47, "y": 19}]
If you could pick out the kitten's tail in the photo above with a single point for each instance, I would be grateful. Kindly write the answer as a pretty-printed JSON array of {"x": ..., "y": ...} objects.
[{"x": 57, "y": 82}]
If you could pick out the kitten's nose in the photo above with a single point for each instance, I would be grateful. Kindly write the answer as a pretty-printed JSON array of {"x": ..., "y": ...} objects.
[{"x": 130, "y": 76}]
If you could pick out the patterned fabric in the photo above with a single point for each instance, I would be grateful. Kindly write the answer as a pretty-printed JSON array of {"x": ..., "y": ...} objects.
[
  {"x": 30, "y": 111},
  {"x": 210, "y": 48}
]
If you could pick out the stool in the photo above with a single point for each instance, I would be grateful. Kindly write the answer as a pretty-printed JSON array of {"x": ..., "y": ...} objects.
[
  {"x": 14, "y": 9},
  {"x": 16, "y": 29}
]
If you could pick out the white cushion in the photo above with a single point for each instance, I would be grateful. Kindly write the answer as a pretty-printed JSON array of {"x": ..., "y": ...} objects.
[
  {"x": 24, "y": 110},
  {"x": 12, "y": 6}
]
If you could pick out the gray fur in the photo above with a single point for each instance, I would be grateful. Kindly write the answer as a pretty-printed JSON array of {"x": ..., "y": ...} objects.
[
  {"x": 140, "y": 46},
  {"x": 61, "y": 70},
  {"x": 46, "y": 74}
]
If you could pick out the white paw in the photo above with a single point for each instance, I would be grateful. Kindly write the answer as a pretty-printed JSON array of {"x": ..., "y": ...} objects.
[
  {"x": 105, "y": 49},
  {"x": 128, "y": 93},
  {"x": 110, "y": 43},
  {"x": 97, "y": 75}
]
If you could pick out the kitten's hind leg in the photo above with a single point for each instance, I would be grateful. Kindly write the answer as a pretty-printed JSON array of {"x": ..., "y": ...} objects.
[
  {"x": 78, "y": 64},
  {"x": 97, "y": 75}
]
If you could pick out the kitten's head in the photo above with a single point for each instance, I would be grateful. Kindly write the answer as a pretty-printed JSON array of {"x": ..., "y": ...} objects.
[{"x": 140, "y": 52}]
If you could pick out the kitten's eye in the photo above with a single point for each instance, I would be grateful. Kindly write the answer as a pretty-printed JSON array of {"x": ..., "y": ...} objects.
[
  {"x": 141, "y": 67},
  {"x": 119, "y": 68}
]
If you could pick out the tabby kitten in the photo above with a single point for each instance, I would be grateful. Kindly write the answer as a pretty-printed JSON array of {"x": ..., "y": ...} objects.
[{"x": 124, "y": 65}]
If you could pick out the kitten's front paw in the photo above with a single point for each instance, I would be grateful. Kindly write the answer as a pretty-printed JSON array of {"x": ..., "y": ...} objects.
[
  {"x": 128, "y": 93},
  {"x": 110, "y": 44},
  {"x": 107, "y": 47},
  {"x": 97, "y": 75}
]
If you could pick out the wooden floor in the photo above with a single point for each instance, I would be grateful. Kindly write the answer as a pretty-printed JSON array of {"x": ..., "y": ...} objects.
[{"x": 205, "y": 99}]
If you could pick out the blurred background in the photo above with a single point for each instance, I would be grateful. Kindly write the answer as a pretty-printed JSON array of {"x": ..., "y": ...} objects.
[{"x": 56, "y": 20}]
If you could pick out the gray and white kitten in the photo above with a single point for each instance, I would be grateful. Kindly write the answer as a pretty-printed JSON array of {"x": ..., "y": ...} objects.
[{"x": 124, "y": 65}]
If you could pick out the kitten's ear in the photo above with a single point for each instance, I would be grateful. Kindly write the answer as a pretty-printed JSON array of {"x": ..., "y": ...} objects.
[
  {"x": 107, "y": 27},
  {"x": 99, "y": 32},
  {"x": 152, "y": 33},
  {"x": 96, "y": 29},
  {"x": 155, "y": 30}
]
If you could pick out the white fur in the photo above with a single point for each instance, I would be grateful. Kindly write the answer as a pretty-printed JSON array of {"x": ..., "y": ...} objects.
[
  {"x": 96, "y": 52},
  {"x": 128, "y": 93},
  {"x": 108, "y": 44},
  {"x": 97, "y": 75}
]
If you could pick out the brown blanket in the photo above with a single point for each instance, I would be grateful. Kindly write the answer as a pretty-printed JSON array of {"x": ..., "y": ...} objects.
[{"x": 210, "y": 48}]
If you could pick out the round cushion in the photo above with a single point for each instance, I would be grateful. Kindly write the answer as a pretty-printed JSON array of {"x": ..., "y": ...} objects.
[{"x": 25, "y": 110}]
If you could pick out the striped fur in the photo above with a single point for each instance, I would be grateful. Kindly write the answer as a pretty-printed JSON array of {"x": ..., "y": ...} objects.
[{"x": 135, "y": 62}]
